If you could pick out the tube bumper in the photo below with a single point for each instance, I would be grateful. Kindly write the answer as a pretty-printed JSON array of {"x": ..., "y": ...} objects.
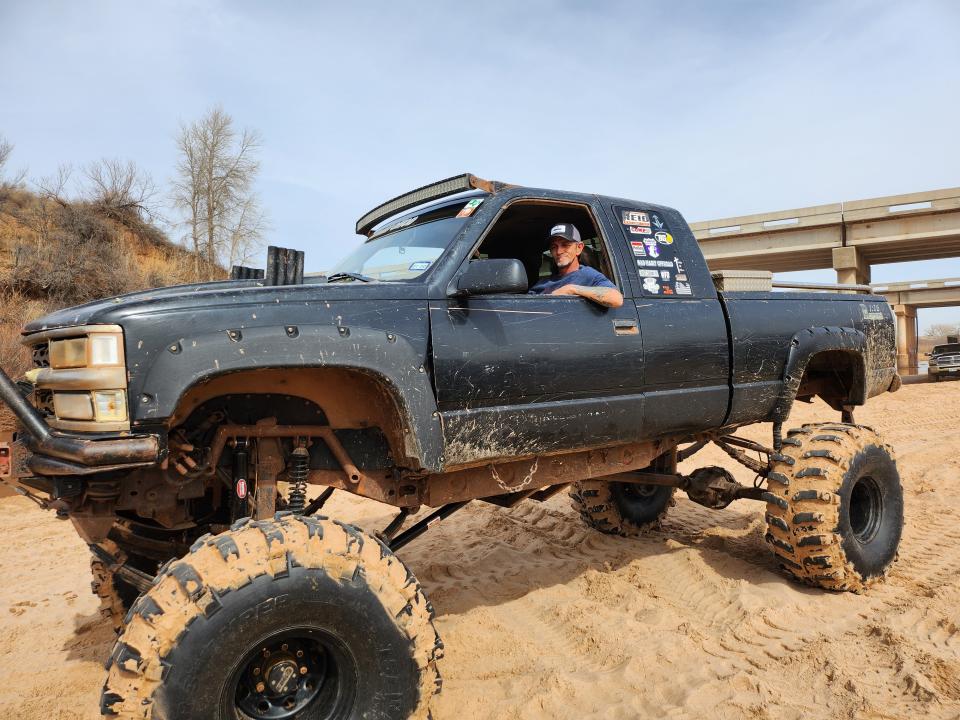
[{"x": 61, "y": 453}]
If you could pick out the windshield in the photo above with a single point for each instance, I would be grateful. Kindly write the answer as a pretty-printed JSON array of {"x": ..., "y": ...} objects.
[
  {"x": 408, "y": 247},
  {"x": 951, "y": 348}
]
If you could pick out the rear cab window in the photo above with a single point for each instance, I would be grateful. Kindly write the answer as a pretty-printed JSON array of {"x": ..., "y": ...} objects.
[{"x": 662, "y": 264}]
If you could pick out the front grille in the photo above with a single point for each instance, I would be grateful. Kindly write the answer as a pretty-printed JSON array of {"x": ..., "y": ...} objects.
[
  {"x": 41, "y": 355},
  {"x": 948, "y": 361}
]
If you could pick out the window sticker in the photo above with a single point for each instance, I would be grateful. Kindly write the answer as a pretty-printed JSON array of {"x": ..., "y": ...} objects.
[
  {"x": 636, "y": 217},
  {"x": 656, "y": 250},
  {"x": 420, "y": 265},
  {"x": 468, "y": 209}
]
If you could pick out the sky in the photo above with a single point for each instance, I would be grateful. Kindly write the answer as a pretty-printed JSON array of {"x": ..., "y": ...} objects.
[{"x": 715, "y": 108}]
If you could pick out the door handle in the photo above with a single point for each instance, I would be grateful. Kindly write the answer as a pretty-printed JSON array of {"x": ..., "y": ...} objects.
[{"x": 625, "y": 327}]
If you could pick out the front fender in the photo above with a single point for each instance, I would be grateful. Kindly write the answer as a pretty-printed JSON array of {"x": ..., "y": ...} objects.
[
  {"x": 807, "y": 343},
  {"x": 157, "y": 389}
]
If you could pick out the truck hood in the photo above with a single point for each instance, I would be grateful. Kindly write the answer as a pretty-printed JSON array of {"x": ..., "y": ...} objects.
[{"x": 227, "y": 294}]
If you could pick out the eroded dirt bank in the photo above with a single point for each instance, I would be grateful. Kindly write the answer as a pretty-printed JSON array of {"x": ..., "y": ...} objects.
[{"x": 544, "y": 618}]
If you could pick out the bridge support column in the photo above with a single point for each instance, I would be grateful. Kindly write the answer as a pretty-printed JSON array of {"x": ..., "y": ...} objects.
[
  {"x": 851, "y": 268},
  {"x": 906, "y": 339}
]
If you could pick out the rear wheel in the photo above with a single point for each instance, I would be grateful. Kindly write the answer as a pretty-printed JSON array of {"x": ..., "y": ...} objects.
[
  {"x": 626, "y": 509},
  {"x": 835, "y": 506},
  {"x": 301, "y": 617}
]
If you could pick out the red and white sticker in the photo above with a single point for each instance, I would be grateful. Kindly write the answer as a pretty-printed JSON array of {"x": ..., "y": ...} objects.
[
  {"x": 638, "y": 248},
  {"x": 635, "y": 217},
  {"x": 640, "y": 230},
  {"x": 241, "y": 488}
]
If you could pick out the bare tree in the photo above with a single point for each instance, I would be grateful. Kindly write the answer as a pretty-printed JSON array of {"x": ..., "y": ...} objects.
[
  {"x": 54, "y": 187},
  {"x": 6, "y": 150},
  {"x": 214, "y": 188},
  {"x": 942, "y": 330},
  {"x": 120, "y": 188}
]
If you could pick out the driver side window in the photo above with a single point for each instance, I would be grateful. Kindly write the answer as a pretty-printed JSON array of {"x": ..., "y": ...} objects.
[{"x": 523, "y": 232}]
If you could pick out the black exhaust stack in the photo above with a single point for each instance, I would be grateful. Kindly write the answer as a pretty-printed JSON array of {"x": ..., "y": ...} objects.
[
  {"x": 241, "y": 272},
  {"x": 284, "y": 266}
]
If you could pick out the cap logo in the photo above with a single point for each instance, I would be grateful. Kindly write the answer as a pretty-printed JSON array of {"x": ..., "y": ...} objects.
[{"x": 558, "y": 230}]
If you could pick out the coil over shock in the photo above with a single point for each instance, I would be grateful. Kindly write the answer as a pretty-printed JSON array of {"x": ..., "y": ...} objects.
[{"x": 297, "y": 475}]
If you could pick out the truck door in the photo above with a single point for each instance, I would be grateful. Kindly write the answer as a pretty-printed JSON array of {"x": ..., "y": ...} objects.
[
  {"x": 527, "y": 374},
  {"x": 686, "y": 353}
]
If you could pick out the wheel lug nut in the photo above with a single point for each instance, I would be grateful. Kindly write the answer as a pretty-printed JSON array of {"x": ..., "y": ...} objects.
[
  {"x": 299, "y": 653},
  {"x": 256, "y": 671},
  {"x": 285, "y": 647},
  {"x": 261, "y": 687},
  {"x": 303, "y": 670}
]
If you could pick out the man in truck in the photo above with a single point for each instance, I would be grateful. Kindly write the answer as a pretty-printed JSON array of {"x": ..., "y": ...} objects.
[{"x": 571, "y": 277}]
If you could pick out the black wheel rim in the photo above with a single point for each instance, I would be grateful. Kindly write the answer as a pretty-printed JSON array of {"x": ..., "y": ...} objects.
[
  {"x": 866, "y": 509},
  {"x": 290, "y": 672}
]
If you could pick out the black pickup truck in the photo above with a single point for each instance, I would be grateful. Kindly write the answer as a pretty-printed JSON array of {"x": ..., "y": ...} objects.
[{"x": 181, "y": 429}]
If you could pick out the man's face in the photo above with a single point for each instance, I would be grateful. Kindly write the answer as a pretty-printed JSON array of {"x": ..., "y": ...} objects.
[{"x": 564, "y": 251}]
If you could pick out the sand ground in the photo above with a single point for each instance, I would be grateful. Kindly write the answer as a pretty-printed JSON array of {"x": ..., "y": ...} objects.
[{"x": 544, "y": 618}]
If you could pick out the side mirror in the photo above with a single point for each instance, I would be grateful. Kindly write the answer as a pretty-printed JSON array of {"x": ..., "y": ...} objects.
[{"x": 487, "y": 277}]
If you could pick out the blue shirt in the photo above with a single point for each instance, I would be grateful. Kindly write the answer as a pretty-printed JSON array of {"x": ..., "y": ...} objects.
[{"x": 586, "y": 276}]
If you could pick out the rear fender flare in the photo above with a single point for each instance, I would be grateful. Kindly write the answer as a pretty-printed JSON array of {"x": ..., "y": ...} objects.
[{"x": 807, "y": 343}]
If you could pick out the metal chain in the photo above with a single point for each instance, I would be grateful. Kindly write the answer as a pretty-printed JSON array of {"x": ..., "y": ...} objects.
[{"x": 515, "y": 488}]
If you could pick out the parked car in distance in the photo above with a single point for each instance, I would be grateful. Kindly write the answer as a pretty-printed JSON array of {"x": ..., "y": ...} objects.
[{"x": 944, "y": 361}]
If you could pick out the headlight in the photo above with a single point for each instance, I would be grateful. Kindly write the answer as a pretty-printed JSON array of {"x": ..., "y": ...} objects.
[
  {"x": 72, "y": 406},
  {"x": 104, "y": 349},
  {"x": 70, "y": 353},
  {"x": 111, "y": 405}
]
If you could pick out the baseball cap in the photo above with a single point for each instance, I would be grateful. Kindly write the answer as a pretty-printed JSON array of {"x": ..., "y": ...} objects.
[{"x": 567, "y": 231}]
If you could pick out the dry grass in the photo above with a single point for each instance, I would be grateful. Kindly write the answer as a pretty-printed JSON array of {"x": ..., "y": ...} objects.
[
  {"x": 55, "y": 253},
  {"x": 67, "y": 253}
]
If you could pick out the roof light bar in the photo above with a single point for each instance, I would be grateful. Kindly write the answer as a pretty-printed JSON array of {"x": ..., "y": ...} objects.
[{"x": 433, "y": 191}]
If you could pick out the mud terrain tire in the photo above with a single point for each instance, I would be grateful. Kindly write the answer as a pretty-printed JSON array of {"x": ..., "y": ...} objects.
[
  {"x": 835, "y": 506},
  {"x": 624, "y": 509},
  {"x": 299, "y": 617},
  {"x": 116, "y": 596}
]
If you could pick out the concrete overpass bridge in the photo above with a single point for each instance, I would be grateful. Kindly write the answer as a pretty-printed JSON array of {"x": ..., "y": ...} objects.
[
  {"x": 850, "y": 237},
  {"x": 906, "y": 298}
]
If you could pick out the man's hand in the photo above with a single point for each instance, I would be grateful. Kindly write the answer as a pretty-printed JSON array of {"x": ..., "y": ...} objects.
[{"x": 606, "y": 296}]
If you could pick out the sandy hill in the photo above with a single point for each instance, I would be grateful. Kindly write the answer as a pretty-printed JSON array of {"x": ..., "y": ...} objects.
[{"x": 55, "y": 253}]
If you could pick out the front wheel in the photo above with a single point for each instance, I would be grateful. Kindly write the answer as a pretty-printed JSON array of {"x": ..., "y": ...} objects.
[
  {"x": 617, "y": 508},
  {"x": 301, "y": 617}
]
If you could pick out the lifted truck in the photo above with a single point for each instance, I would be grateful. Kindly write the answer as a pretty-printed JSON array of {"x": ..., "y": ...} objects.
[{"x": 419, "y": 372}]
